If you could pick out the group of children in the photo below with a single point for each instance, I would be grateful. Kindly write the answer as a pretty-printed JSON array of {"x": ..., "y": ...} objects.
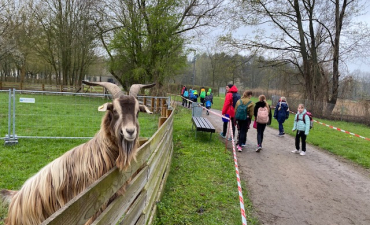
[
  {"x": 261, "y": 112},
  {"x": 262, "y": 117},
  {"x": 189, "y": 96}
]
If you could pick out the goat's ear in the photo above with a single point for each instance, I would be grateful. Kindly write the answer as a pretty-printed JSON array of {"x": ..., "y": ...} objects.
[
  {"x": 105, "y": 107},
  {"x": 143, "y": 108}
]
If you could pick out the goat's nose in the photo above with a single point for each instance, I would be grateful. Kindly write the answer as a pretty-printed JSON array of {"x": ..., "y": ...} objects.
[{"x": 130, "y": 131}]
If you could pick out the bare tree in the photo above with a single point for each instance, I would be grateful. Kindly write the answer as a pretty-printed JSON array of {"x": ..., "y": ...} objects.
[
  {"x": 307, "y": 35},
  {"x": 67, "y": 38}
]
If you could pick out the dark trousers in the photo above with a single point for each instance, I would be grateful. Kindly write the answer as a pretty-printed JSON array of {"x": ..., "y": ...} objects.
[
  {"x": 224, "y": 132},
  {"x": 300, "y": 135},
  {"x": 202, "y": 101},
  {"x": 184, "y": 102},
  {"x": 281, "y": 128},
  {"x": 260, "y": 130},
  {"x": 243, "y": 129}
]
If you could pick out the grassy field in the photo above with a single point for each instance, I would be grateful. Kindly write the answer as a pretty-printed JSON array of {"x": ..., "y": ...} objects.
[
  {"x": 50, "y": 116},
  {"x": 202, "y": 186}
]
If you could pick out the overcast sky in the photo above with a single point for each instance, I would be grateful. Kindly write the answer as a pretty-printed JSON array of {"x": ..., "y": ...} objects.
[{"x": 207, "y": 41}]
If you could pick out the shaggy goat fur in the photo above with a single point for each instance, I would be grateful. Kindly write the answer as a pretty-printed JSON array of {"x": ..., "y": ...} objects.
[{"x": 65, "y": 177}]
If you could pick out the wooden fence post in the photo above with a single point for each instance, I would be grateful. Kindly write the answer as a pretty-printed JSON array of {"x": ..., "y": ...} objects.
[
  {"x": 152, "y": 105},
  {"x": 158, "y": 105},
  {"x": 144, "y": 100}
]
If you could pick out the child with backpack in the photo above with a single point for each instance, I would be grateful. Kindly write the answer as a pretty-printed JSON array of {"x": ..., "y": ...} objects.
[
  {"x": 228, "y": 109},
  {"x": 185, "y": 96},
  {"x": 191, "y": 95},
  {"x": 202, "y": 95},
  {"x": 262, "y": 118},
  {"x": 302, "y": 124},
  {"x": 195, "y": 96},
  {"x": 244, "y": 109},
  {"x": 209, "y": 101},
  {"x": 281, "y": 114}
]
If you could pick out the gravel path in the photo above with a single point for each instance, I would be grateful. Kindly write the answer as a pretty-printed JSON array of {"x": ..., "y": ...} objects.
[{"x": 287, "y": 188}]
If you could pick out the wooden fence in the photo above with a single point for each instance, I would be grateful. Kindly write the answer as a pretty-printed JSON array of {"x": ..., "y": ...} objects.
[{"x": 138, "y": 205}]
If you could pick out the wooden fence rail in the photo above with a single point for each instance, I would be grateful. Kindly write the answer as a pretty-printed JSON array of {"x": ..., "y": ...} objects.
[{"x": 146, "y": 179}]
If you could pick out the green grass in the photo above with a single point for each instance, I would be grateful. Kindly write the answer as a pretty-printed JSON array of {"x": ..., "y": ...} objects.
[
  {"x": 345, "y": 145},
  {"x": 64, "y": 116},
  {"x": 202, "y": 186}
]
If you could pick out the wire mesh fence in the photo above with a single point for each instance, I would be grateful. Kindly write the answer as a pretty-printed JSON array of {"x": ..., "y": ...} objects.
[
  {"x": 39, "y": 114},
  {"x": 345, "y": 110}
]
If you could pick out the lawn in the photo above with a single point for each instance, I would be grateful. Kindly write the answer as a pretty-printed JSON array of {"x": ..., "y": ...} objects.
[
  {"x": 202, "y": 186},
  {"x": 50, "y": 116}
]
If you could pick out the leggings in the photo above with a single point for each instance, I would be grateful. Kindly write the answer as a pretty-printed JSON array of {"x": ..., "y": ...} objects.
[{"x": 260, "y": 129}]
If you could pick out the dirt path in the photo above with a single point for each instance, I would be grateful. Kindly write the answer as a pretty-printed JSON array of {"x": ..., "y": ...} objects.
[{"x": 287, "y": 188}]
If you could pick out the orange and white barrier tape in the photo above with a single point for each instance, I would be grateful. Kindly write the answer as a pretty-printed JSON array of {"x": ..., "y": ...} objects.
[
  {"x": 241, "y": 200},
  {"x": 344, "y": 131}
]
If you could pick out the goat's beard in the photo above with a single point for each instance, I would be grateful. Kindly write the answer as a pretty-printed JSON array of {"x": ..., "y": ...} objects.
[{"x": 126, "y": 152}]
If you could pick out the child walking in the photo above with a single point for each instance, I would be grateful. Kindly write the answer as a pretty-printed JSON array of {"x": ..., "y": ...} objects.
[
  {"x": 209, "y": 101},
  {"x": 302, "y": 125},
  {"x": 281, "y": 114},
  {"x": 262, "y": 115}
]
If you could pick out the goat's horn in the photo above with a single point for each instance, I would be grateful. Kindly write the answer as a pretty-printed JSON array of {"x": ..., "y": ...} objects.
[
  {"x": 135, "y": 88},
  {"x": 112, "y": 88}
]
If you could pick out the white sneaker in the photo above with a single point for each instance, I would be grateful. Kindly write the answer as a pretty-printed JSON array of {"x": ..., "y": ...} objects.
[
  {"x": 295, "y": 151},
  {"x": 302, "y": 153}
]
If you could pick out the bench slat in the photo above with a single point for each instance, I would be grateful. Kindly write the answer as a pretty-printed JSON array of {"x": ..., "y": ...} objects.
[{"x": 203, "y": 124}]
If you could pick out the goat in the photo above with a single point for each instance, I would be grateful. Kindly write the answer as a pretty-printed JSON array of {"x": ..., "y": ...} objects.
[{"x": 115, "y": 144}]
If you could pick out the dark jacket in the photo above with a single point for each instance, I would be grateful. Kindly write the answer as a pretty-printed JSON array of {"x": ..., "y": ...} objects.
[
  {"x": 281, "y": 112},
  {"x": 228, "y": 104},
  {"x": 209, "y": 98},
  {"x": 262, "y": 104}
]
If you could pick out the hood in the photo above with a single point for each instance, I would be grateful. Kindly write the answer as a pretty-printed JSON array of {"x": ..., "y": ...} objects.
[
  {"x": 233, "y": 89},
  {"x": 209, "y": 90},
  {"x": 304, "y": 111}
]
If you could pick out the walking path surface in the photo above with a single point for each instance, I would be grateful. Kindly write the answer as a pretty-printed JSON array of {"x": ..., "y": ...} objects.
[{"x": 287, "y": 188}]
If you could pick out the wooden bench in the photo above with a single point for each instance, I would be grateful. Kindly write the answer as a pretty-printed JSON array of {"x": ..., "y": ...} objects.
[{"x": 202, "y": 124}]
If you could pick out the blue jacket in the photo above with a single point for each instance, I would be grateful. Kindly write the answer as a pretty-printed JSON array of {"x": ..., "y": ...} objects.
[
  {"x": 282, "y": 114},
  {"x": 300, "y": 125}
]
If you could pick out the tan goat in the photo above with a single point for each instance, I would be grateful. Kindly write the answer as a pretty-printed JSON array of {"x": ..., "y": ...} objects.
[{"x": 115, "y": 144}]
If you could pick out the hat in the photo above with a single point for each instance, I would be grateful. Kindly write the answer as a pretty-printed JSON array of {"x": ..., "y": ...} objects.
[{"x": 230, "y": 85}]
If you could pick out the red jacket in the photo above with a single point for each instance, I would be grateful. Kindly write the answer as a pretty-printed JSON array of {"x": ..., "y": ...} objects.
[{"x": 228, "y": 104}]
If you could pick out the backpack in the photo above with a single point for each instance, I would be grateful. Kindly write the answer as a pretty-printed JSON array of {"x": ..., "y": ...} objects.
[
  {"x": 241, "y": 111},
  {"x": 208, "y": 103},
  {"x": 309, "y": 116},
  {"x": 186, "y": 94},
  {"x": 263, "y": 115},
  {"x": 192, "y": 95},
  {"x": 236, "y": 97},
  {"x": 202, "y": 93}
]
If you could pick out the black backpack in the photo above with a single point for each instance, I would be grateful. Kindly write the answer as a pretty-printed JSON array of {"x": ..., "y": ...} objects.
[{"x": 236, "y": 97}]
